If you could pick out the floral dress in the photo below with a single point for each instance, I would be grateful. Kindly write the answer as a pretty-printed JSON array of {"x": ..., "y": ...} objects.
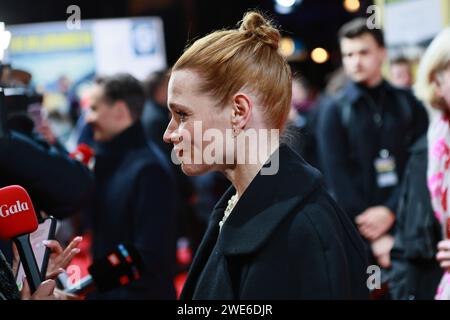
[{"x": 438, "y": 178}]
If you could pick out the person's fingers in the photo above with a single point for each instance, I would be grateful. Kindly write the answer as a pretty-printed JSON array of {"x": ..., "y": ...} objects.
[
  {"x": 45, "y": 290},
  {"x": 364, "y": 225},
  {"x": 54, "y": 246},
  {"x": 366, "y": 230},
  {"x": 445, "y": 264},
  {"x": 372, "y": 235},
  {"x": 360, "y": 219},
  {"x": 375, "y": 233},
  {"x": 443, "y": 255},
  {"x": 68, "y": 257},
  {"x": 444, "y": 245},
  {"x": 384, "y": 261},
  {"x": 53, "y": 274},
  {"x": 14, "y": 249},
  {"x": 371, "y": 222},
  {"x": 73, "y": 244},
  {"x": 60, "y": 258},
  {"x": 363, "y": 231},
  {"x": 25, "y": 293},
  {"x": 367, "y": 223}
]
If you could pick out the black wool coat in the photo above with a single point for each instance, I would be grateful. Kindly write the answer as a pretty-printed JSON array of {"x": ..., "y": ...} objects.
[
  {"x": 285, "y": 239},
  {"x": 415, "y": 273},
  {"x": 136, "y": 203}
]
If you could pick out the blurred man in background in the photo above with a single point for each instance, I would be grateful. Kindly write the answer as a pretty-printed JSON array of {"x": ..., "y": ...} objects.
[
  {"x": 303, "y": 120},
  {"x": 401, "y": 73},
  {"x": 364, "y": 138},
  {"x": 190, "y": 223},
  {"x": 135, "y": 199}
]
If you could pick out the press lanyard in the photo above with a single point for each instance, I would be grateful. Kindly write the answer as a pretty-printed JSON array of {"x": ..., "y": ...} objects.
[{"x": 384, "y": 163}]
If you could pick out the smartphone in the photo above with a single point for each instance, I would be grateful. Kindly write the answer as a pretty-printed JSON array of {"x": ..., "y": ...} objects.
[{"x": 45, "y": 231}]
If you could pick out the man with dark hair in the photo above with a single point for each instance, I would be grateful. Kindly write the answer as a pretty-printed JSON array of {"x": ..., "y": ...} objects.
[
  {"x": 135, "y": 200},
  {"x": 122, "y": 97},
  {"x": 357, "y": 28},
  {"x": 364, "y": 136}
]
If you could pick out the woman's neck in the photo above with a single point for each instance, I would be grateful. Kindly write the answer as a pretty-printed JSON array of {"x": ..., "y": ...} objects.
[{"x": 241, "y": 175}]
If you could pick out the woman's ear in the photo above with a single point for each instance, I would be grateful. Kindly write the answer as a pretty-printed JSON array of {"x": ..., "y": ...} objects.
[{"x": 241, "y": 111}]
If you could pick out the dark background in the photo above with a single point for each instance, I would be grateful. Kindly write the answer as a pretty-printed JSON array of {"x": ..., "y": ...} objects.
[{"x": 313, "y": 22}]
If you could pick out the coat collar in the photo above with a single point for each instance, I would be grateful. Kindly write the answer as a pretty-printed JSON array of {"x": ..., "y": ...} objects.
[
  {"x": 352, "y": 92},
  {"x": 262, "y": 207},
  {"x": 265, "y": 203},
  {"x": 130, "y": 138}
]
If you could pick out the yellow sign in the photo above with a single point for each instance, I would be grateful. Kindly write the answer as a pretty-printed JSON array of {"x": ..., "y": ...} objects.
[{"x": 48, "y": 42}]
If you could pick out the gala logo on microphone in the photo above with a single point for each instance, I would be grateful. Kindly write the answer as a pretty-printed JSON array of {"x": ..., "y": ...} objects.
[
  {"x": 6, "y": 211},
  {"x": 17, "y": 215}
]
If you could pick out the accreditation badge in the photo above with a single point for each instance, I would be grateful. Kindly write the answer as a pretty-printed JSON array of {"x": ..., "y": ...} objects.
[{"x": 385, "y": 170}]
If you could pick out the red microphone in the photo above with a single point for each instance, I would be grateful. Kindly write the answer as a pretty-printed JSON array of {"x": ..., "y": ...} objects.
[
  {"x": 17, "y": 221},
  {"x": 83, "y": 153}
]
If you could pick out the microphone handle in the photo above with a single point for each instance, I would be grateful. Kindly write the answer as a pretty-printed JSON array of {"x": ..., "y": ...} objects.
[{"x": 28, "y": 261}]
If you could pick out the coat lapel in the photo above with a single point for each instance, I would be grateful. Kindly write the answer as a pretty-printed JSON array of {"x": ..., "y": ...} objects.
[
  {"x": 206, "y": 246},
  {"x": 268, "y": 200}
]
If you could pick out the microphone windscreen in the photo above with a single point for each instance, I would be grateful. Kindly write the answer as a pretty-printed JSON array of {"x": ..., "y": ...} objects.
[
  {"x": 118, "y": 268},
  {"x": 17, "y": 215},
  {"x": 83, "y": 153}
]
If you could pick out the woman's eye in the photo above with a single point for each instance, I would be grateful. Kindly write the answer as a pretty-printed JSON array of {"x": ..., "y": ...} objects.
[{"x": 182, "y": 115}]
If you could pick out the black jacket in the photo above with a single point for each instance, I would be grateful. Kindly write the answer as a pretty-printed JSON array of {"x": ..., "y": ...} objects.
[
  {"x": 353, "y": 130},
  {"x": 135, "y": 203},
  {"x": 58, "y": 185},
  {"x": 415, "y": 272},
  {"x": 155, "y": 119},
  {"x": 285, "y": 239}
]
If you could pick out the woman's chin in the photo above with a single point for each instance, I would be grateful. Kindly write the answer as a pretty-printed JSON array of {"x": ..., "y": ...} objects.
[{"x": 194, "y": 169}]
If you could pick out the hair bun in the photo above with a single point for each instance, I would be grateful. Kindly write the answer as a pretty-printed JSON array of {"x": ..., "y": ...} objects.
[{"x": 256, "y": 25}]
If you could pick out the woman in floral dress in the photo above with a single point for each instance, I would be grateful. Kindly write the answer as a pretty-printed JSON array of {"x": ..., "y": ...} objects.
[{"x": 433, "y": 87}]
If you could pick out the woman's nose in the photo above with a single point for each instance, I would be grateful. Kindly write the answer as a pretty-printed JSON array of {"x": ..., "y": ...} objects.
[{"x": 171, "y": 134}]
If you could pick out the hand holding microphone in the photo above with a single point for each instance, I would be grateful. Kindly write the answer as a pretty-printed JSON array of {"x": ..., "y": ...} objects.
[
  {"x": 17, "y": 220},
  {"x": 46, "y": 291}
]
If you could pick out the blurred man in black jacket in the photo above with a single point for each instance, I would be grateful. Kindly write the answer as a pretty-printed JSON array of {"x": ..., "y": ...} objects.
[
  {"x": 135, "y": 188},
  {"x": 364, "y": 138}
]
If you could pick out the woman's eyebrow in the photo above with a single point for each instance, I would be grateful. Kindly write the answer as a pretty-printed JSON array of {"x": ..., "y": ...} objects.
[{"x": 173, "y": 105}]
